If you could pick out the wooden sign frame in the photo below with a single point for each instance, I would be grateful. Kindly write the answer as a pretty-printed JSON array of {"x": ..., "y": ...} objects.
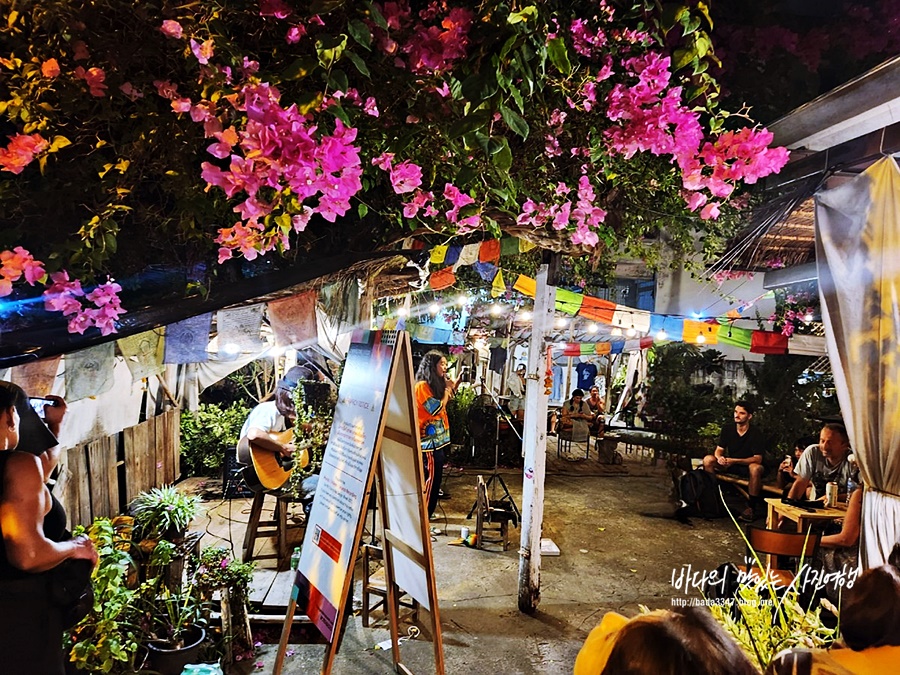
[{"x": 396, "y": 460}]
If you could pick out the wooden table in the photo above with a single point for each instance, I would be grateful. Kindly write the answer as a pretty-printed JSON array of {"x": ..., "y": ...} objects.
[{"x": 804, "y": 518}]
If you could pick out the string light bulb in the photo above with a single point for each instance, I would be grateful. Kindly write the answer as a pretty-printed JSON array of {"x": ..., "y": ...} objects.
[
  {"x": 496, "y": 308},
  {"x": 617, "y": 332},
  {"x": 402, "y": 311},
  {"x": 561, "y": 322},
  {"x": 462, "y": 300},
  {"x": 701, "y": 339},
  {"x": 434, "y": 308},
  {"x": 592, "y": 328},
  {"x": 631, "y": 332},
  {"x": 525, "y": 315},
  {"x": 661, "y": 334},
  {"x": 808, "y": 317}
]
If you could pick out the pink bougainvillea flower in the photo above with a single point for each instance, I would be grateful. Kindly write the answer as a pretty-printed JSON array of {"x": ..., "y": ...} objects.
[
  {"x": 204, "y": 52},
  {"x": 227, "y": 140},
  {"x": 181, "y": 105},
  {"x": 165, "y": 89},
  {"x": 710, "y": 211},
  {"x": 94, "y": 78},
  {"x": 130, "y": 92},
  {"x": 172, "y": 29},
  {"x": 50, "y": 68},
  {"x": 420, "y": 200},
  {"x": 301, "y": 220},
  {"x": 277, "y": 8},
  {"x": 80, "y": 51},
  {"x": 405, "y": 177},
  {"x": 384, "y": 161},
  {"x": 370, "y": 107},
  {"x": 294, "y": 34},
  {"x": 696, "y": 200},
  {"x": 21, "y": 151}
]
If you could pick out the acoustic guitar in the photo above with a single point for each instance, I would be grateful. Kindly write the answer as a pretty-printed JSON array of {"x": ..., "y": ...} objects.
[{"x": 268, "y": 469}]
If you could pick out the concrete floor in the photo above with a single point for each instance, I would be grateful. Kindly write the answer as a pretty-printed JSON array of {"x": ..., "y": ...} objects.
[{"x": 613, "y": 557}]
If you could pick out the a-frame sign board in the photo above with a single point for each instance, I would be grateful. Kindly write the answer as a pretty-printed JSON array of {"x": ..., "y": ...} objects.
[{"x": 374, "y": 433}]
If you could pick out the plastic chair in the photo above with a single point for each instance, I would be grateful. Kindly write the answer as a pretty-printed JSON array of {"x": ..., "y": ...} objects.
[{"x": 580, "y": 433}]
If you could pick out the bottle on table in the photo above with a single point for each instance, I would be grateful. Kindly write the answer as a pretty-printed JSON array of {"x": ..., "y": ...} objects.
[{"x": 295, "y": 558}]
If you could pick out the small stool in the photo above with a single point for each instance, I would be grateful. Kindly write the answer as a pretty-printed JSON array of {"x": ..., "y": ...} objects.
[
  {"x": 277, "y": 527},
  {"x": 374, "y": 583}
]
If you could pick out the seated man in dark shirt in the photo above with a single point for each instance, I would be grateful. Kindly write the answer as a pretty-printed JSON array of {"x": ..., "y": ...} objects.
[{"x": 740, "y": 451}]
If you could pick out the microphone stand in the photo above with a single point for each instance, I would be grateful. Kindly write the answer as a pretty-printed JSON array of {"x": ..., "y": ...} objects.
[{"x": 495, "y": 474}]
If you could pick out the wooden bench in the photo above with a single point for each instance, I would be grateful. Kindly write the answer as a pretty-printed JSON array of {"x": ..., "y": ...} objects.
[{"x": 742, "y": 484}]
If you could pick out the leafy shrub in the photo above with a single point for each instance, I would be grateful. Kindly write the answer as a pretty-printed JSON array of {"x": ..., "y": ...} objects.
[{"x": 207, "y": 434}]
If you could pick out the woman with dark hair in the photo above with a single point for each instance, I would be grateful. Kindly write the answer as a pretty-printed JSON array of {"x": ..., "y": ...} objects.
[
  {"x": 686, "y": 641},
  {"x": 33, "y": 537},
  {"x": 870, "y": 627},
  {"x": 434, "y": 389}
]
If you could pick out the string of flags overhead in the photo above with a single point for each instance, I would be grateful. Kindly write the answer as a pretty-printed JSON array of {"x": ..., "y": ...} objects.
[{"x": 485, "y": 256}]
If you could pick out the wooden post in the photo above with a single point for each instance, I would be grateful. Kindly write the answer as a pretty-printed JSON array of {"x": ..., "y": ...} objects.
[{"x": 535, "y": 443}]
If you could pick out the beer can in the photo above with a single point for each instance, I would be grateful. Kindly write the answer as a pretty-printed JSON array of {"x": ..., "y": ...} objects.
[{"x": 831, "y": 494}]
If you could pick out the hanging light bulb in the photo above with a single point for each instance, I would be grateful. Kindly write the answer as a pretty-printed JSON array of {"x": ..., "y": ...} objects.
[
  {"x": 434, "y": 308},
  {"x": 462, "y": 300},
  {"x": 402, "y": 311},
  {"x": 631, "y": 332},
  {"x": 808, "y": 317},
  {"x": 496, "y": 308},
  {"x": 661, "y": 334},
  {"x": 592, "y": 328},
  {"x": 561, "y": 322},
  {"x": 525, "y": 315},
  {"x": 617, "y": 332},
  {"x": 701, "y": 339}
]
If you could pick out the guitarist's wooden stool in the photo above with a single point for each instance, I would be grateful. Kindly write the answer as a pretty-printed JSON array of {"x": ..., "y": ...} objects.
[{"x": 278, "y": 527}]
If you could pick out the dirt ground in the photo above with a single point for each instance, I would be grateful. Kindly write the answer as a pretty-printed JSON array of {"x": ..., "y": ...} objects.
[{"x": 617, "y": 553}]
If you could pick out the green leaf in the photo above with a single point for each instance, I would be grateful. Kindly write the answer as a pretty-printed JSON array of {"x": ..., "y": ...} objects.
[
  {"x": 324, "y": 6},
  {"x": 308, "y": 101},
  {"x": 362, "y": 210},
  {"x": 329, "y": 49},
  {"x": 376, "y": 15},
  {"x": 508, "y": 46},
  {"x": 337, "y": 80},
  {"x": 359, "y": 63},
  {"x": 480, "y": 87},
  {"x": 683, "y": 58},
  {"x": 502, "y": 158},
  {"x": 559, "y": 55},
  {"x": 517, "y": 97},
  {"x": 60, "y": 142},
  {"x": 469, "y": 123},
  {"x": 704, "y": 10},
  {"x": 300, "y": 68},
  {"x": 529, "y": 12},
  {"x": 514, "y": 121},
  {"x": 360, "y": 32},
  {"x": 702, "y": 45},
  {"x": 283, "y": 221},
  {"x": 691, "y": 24},
  {"x": 340, "y": 113},
  {"x": 671, "y": 14}
]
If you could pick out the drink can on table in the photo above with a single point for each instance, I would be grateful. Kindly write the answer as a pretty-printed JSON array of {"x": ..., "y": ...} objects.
[{"x": 831, "y": 494}]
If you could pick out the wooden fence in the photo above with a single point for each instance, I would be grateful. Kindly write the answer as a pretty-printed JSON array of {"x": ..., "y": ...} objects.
[{"x": 98, "y": 479}]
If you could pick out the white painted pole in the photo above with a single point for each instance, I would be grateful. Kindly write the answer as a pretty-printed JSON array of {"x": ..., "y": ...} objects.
[{"x": 535, "y": 443}]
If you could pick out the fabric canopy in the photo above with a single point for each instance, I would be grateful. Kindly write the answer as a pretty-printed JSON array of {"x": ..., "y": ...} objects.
[{"x": 858, "y": 259}]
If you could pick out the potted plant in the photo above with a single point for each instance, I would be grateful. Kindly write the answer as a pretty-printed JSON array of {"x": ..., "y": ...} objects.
[
  {"x": 218, "y": 570},
  {"x": 107, "y": 640},
  {"x": 175, "y": 624},
  {"x": 163, "y": 512}
]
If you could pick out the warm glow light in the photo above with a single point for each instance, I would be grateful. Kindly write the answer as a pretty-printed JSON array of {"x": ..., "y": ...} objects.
[
  {"x": 696, "y": 315},
  {"x": 231, "y": 348},
  {"x": 434, "y": 308},
  {"x": 462, "y": 300},
  {"x": 808, "y": 317},
  {"x": 402, "y": 311},
  {"x": 496, "y": 309},
  {"x": 525, "y": 315},
  {"x": 631, "y": 332},
  {"x": 561, "y": 322},
  {"x": 617, "y": 332},
  {"x": 661, "y": 335},
  {"x": 592, "y": 328},
  {"x": 701, "y": 339}
]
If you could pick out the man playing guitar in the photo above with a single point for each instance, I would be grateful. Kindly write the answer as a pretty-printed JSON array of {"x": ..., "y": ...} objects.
[{"x": 269, "y": 425}]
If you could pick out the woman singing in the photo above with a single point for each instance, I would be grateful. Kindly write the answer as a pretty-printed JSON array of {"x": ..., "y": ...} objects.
[{"x": 434, "y": 388}]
